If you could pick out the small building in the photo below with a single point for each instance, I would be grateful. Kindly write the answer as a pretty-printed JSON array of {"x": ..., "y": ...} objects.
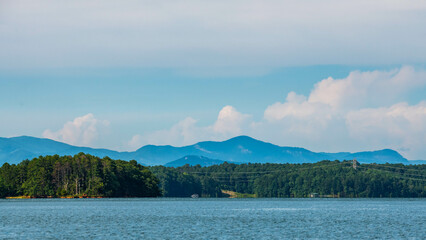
[{"x": 314, "y": 195}]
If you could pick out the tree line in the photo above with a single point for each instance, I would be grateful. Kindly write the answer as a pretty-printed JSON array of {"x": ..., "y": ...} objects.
[
  {"x": 326, "y": 178},
  {"x": 86, "y": 175},
  {"x": 79, "y": 175}
]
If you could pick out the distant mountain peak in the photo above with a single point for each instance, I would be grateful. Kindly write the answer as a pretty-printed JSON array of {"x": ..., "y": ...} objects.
[
  {"x": 242, "y": 138},
  {"x": 194, "y": 160},
  {"x": 241, "y": 149}
]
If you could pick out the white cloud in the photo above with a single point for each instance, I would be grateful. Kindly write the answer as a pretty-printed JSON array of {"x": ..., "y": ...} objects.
[
  {"x": 361, "y": 89},
  {"x": 401, "y": 126},
  {"x": 295, "y": 106},
  {"x": 350, "y": 109},
  {"x": 81, "y": 131},
  {"x": 229, "y": 123},
  {"x": 182, "y": 133},
  {"x": 297, "y": 117},
  {"x": 192, "y": 33},
  {"x": 356, "y": 113},
  {"x": 333, "y": 98},
  {"x": 135, "y": 142}
]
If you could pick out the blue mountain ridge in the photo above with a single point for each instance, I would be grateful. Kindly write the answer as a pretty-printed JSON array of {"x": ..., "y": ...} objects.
[
  {"x": 194, "y": 160},
  {"x": 242, "y": 149}
]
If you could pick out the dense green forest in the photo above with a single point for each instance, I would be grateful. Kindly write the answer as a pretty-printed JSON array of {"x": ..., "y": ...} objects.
[
  {"x": 86, "y": 175},
  {"x": 326, "y": 178},
  {"x": 80, "y": 175},
  {"x": 179, "y": 182}
]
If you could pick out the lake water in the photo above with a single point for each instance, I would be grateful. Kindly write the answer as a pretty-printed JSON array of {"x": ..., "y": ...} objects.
[{"x": 213, "y": 218}]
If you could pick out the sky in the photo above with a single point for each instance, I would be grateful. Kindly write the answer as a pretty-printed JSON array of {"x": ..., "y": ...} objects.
[{"x": 324, "y": 75}]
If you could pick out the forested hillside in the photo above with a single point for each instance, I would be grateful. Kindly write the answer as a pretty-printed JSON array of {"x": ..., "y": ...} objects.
[
  {"x": 80, "y": 175},
  {"x": 86, "y": 175},
  {"x": 326, "y": 178}
]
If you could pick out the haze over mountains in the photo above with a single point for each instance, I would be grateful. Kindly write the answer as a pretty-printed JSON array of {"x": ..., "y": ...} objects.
[{"x": 242, "y": 149}]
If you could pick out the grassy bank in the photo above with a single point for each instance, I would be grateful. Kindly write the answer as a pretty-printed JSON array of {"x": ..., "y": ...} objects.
[{"x": 233, "y": 194}]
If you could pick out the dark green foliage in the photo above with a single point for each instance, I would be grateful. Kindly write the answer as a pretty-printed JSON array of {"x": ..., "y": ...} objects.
[
  {"x": 3, "y": 190},
  {"x": 88, "y": 175},
  {"x": 80, "y": 175},
  {"x": 175, "y": 183},
  {"x": 331, "y": 178}
]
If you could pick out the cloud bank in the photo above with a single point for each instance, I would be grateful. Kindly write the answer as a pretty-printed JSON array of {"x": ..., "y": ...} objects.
[
  {"x": 189, "y": 34},
  {"x": 337, "y": 115}
]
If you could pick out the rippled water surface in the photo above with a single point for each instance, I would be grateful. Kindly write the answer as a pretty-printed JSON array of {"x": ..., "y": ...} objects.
[{"x": 213, "y": 218}]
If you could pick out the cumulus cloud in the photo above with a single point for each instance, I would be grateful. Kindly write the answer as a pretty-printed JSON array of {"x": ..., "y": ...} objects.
[
  {"x": 351, "y": 109},
  {"x": 295, "y": 106},
  {"x": 361, "y": 89},
  {"x": 359, "y": 112},
  {"x": 331, "y": 98},
  {"x": 229, "y": 123},
  {"x": 184, "y": 132},
  {"x": 400, "y": 126},
  {"x": 81, "y": 131},
  {"x": 135, "y": 142},
  {"x": 297, "y": 116}
]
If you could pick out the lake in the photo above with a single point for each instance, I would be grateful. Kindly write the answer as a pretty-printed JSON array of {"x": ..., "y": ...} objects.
[{"x": 175, "y": 218}]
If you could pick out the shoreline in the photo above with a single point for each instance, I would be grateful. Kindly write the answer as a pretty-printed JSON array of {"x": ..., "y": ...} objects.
[
  {"x": 62, "y": 197},
  {"x": 234, "y": 196}
]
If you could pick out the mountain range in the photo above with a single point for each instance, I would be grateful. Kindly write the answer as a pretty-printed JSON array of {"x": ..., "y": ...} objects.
[{"x": 242, "y": 149}]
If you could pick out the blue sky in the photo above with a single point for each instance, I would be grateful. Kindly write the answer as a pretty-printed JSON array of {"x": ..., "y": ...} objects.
[{"x": 329, "y": 76}]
